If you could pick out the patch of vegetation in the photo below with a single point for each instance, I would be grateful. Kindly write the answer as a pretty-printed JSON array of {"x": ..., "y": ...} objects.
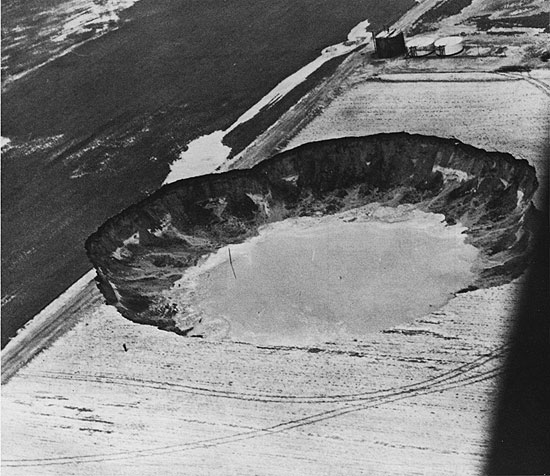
[
  {"x": 539, "y": 51},
  {"x": 162, "y": 261},
  {"x": 445, "y": 9},
  {"x": 514, "y": 68},
  {"x": 243, "y": 135},
  {"x": 540, "y": 20}
]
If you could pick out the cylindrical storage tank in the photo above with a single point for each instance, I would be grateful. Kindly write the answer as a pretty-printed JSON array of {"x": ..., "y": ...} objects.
[
  {"x": 450, "y": 45},
  {"x": 389, "y": 44},
  {"x": 420, "y": 46}
]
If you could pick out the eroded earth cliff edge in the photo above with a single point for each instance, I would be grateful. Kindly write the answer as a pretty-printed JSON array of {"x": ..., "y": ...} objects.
[{"x": 139, "y": 253}]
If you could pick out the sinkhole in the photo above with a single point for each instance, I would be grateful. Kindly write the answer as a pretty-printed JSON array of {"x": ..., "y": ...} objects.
[
  {"x": 304, "y": 281},
  {"x": 326, "y": 242}
]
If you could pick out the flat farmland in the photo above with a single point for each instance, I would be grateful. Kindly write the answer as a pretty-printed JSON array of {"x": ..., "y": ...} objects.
[
  {"x": 114, "y": 397},
  {"x": 416, "y": 398},
  {"x": 390, "y": 403},
  {"x": 487, "y": 110}
]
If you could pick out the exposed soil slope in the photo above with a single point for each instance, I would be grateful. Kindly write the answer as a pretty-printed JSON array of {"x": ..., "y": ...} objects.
[{"x": 142, "y": 251}]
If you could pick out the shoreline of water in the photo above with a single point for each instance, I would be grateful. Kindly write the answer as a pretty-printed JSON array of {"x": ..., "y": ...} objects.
[{"x": 352, "y": 267}]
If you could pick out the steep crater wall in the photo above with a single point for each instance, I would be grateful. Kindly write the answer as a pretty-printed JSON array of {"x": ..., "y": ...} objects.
[{"x": 141, "y": 252}]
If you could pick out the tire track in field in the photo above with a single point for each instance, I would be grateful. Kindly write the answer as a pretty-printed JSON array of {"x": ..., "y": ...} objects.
[
  {"x": 265, "y": 397},
  {"x": 456, "y": 378}
]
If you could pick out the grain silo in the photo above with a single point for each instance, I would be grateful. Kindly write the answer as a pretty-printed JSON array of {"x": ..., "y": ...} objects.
[
  {"x": 420, "y": 46},
  {"x": 389, "y": 43},
  {"x": 450, "y": 45}
]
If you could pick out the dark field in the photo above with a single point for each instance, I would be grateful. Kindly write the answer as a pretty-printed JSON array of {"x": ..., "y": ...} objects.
[
  {"x": 124, "y": 105},
  {"x": 442, "y": 10}
]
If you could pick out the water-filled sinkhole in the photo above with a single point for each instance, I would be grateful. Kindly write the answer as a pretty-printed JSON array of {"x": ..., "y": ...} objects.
[
  {"x": 328, "y": 241},
  {"x": 305, "y": 281}
]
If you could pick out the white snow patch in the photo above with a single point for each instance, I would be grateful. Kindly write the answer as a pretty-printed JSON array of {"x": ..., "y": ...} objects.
[
  {"x": 359, "y": 32},
  {"x": 101, "y": 15},
  {"x": 260, "y": 201},
  {"x": 451, "y": 174},
  {"x": 208, "y": 152},
  {"x": 121, "y": 252},
  {"x": 70, "y": 19},
  {"x": 164, "y": 224},
  {"x": 4, "y": 141},
  {"x": 520, "y": 197},
  {"x": 516, "y": 29},
  {"x": 6, "y": 299},
  {"x": 202, "y": 156},
  {"x": 291, "y": 178}
]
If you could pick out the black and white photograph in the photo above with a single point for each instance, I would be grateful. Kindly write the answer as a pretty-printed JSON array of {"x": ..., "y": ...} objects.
[{"x": 275, "y": 237}]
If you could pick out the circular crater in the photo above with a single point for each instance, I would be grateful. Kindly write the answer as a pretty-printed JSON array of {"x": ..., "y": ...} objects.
[
  {"x": 309, "y": 280},
  {"x": 324, "y": 242}
]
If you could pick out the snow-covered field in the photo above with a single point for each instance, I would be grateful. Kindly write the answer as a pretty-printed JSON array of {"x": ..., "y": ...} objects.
[
  {"x": 478, "y": 109},
  {"x": 113, "y": 397},
  {"x": 492, "y": 111},
  {"x": 417, "y": 399}
]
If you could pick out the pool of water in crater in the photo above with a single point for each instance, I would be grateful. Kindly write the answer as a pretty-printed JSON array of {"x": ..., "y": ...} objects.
[{"x": 312, "y": 280}]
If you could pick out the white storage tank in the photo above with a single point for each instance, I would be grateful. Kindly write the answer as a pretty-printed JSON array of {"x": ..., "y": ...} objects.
[
  {"x": 450, "y": 45},
  {"x": 420, "y": 46}
]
